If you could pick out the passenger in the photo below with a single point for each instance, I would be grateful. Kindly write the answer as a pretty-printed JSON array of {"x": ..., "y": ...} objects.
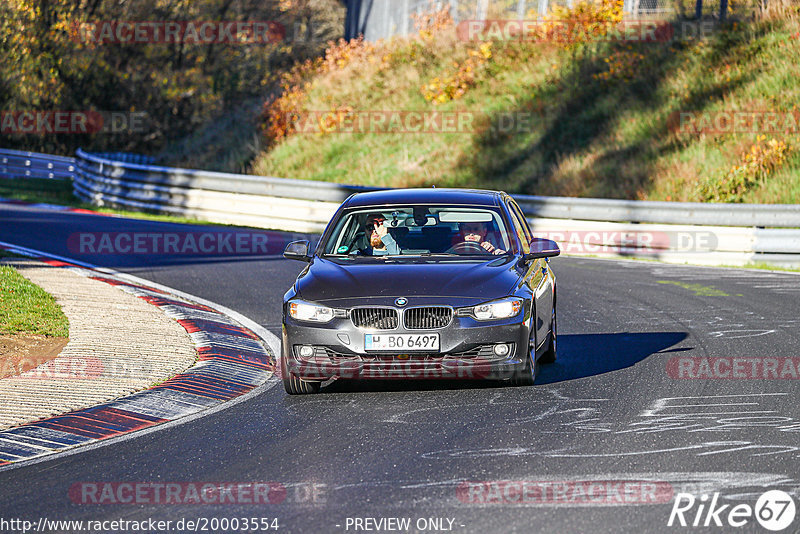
[{"x": 475, "y": 232}]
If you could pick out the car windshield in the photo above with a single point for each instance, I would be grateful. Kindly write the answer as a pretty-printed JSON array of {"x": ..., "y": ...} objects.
[{"x": 419, "y": 231}]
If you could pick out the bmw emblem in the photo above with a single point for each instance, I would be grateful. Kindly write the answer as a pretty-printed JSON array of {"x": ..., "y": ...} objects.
[{"x": 401, "y": 301}]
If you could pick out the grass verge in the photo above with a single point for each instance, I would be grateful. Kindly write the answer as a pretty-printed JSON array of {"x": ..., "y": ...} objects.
[{"x": 25, "y": 308}]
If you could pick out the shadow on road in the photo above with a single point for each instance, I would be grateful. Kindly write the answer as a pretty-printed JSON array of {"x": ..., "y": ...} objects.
[
  {"x": 583, "y": 355},
  {"x": 580, "y": 356}
]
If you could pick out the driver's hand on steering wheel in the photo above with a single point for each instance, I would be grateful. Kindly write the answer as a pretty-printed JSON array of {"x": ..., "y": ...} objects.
[{"x": 491, "y": 248}]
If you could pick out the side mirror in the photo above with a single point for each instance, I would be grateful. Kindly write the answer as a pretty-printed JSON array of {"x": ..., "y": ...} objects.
[
  {"x": 297, "y": 250},
  {"x": 541, "y": 248}
]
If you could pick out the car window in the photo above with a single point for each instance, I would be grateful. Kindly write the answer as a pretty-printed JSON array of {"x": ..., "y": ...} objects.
[
  {"x": 419, "y": 230},
  {"x": 520, "y": 227},
  {"x": 523, "y": 220}
]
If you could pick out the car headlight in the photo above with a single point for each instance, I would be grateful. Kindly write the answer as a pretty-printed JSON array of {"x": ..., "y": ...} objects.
[
  {"x": 307, "y": 311},
  {"x": 498, "y": 309}
]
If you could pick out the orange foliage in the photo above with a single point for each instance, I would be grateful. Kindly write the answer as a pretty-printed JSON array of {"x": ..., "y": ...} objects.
[{"x": 441, "y": 90}]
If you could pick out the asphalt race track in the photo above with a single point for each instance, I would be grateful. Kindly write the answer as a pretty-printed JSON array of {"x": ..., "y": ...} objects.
[{"x": 612, "y": 409}]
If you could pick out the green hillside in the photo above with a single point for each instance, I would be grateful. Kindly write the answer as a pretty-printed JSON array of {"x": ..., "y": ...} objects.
[{"x": 594, "y": 117}]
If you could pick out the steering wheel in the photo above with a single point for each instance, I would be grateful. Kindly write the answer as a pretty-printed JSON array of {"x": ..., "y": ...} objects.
[{"x": 470, "y": 247}]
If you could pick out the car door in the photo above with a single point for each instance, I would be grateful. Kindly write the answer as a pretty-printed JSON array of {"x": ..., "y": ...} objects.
[{"x": 537, "y": 276}]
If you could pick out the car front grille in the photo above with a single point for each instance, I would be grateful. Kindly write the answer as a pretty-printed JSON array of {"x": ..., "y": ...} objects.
[
  {"x": 376, "y": 318},
  {"x": 428, "y": 317}
]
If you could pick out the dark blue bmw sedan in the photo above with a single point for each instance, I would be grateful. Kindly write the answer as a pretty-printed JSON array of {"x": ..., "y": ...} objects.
[{"x": 421, "y": 284}]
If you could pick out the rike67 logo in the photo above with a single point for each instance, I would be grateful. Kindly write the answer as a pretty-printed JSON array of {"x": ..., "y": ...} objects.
[{"x": 774, "y": 510}]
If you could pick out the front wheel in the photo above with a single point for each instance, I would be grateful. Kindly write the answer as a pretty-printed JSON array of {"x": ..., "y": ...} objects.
[
  {"x": 527, "y": 375},
  {"x": 295, "y": 385},
  {"x": 550, "y": 354}
]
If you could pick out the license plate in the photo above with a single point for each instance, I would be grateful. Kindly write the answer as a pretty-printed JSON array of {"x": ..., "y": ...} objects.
[{"x": 404, "y": 342}]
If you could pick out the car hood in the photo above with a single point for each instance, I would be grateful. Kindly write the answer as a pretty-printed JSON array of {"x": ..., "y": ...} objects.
[{"x": 384, "y": 280}]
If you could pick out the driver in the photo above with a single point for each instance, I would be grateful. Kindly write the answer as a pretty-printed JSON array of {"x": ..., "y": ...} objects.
[
  {"x": 381, "y": 243},
  {"x": 475, "y": 232}
]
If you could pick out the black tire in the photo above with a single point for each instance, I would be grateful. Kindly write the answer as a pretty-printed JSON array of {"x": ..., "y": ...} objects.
[
  {"x": 527, "y": 375},
  {"x": 549, "y": 356},
  {"x": 297, "y": 386}
]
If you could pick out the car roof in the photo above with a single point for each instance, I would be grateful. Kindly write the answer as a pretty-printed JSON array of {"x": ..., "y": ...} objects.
[{"x": 471, "y": 197}]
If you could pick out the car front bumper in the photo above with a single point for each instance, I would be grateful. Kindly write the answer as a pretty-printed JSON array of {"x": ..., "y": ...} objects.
[{"x": 466, "y": 351}]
